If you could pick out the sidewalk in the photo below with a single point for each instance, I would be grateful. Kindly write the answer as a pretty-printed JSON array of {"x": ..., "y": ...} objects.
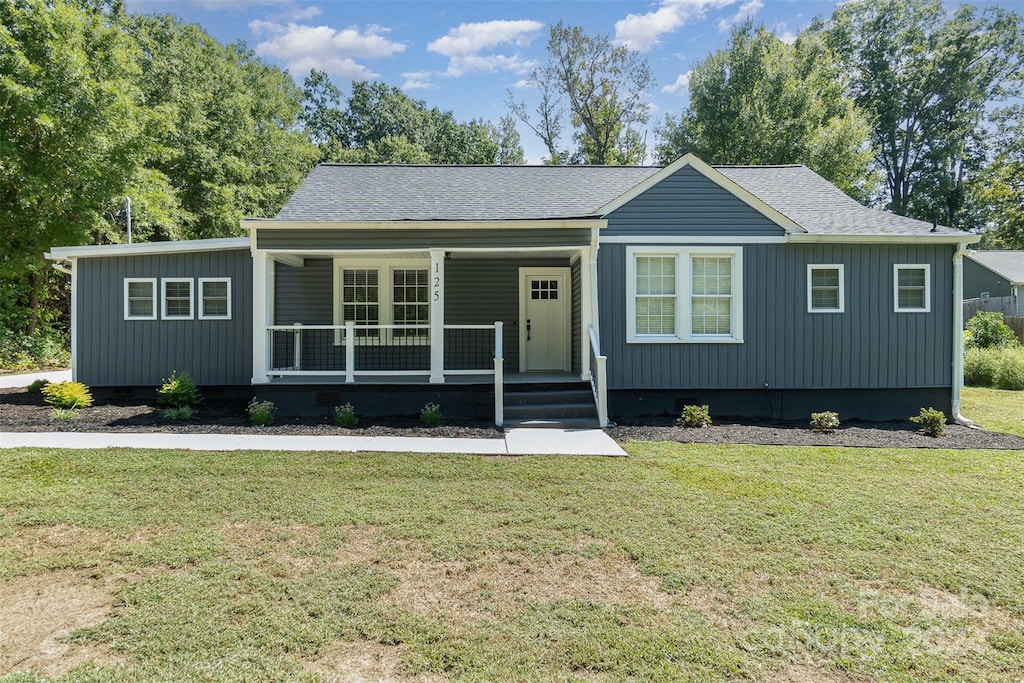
[
  {"x": 516, "y": 442},
  {"x": 16, "y": 381}
]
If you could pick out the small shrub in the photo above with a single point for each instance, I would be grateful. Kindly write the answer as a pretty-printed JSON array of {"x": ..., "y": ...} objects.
[
  {"x": 932, "y": 421},
  {"x": 431, "y": 415},
  {"x": 179, "y": 391},
  {"x": 824, "y": 422},
  {"x": 345, "y": 415},
  {"x": 695, "y": 416},
  {"x": 179, "y": 413},
  {"x": 67, "y": 395},
  {"x": 981, "y": 366},
  {"x": 1010, "y": 374},
  {"x": 37, "y": 386},
  {"x": 261, "y": 412},
  {"x": 986, "y": 330},
  {"x": 64, "y": 414}
]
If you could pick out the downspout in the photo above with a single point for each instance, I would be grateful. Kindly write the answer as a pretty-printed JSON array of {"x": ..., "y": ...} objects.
[{"x": 958, "y": 333}]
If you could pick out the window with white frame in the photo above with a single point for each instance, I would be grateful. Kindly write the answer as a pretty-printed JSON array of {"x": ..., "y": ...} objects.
[
  {"x": 214, "y": 298},
  {"x": 140, "y": 298},
  {"x": 177, "y": 295},
  {"x": 410, "y": 301},
  {"x": 825, "y": 288},
  {"x": 360, "y": 298},
  {"x": 684, "y": 294},
  {"x": 383, "y": 292},
  {"x": 912, "y": 288}
]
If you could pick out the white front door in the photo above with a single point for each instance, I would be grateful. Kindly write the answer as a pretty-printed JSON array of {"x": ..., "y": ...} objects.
[{"x": 544, "y": 317}]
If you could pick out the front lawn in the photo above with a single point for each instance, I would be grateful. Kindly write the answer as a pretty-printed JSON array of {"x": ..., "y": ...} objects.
[
  {"x": 996, "y": 410},
  {"x": 683, "y": 562}
]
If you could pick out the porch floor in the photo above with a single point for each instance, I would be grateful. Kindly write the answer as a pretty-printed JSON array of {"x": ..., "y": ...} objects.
[{"x": 510, "y": 378}]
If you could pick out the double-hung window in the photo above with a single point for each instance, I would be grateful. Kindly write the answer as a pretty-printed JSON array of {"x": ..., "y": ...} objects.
[
  {"x": 684, "y": 294},
  {"x": 825, "y": 288},
  {"x": 912, "y": 288},
  {"x": 360, "y": 299},
  {"x": 177, "y": 298},
  {"x": 410, "y": 302},
  {"x": 140, "y": 298},
  {"x": 214, "y": 298},
  {"x": 383, "y": 293}
]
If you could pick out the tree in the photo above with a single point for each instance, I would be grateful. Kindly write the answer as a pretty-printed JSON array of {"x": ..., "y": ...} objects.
[
  {"x": 322, "y": 115},
  {"x": 925, "y": 79},
  {"x": 760, "y": 101},
  {"x": 604, "y": 87},
  {"x": 999, "y": 188},
  {"x": 510, "y": 148},
  {"x": 71, "y": 140}
]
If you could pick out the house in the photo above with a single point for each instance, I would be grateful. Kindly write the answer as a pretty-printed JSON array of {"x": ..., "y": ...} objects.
[
  {"x": 536, "y": 291},
  {"x": 995, "y": 274}
]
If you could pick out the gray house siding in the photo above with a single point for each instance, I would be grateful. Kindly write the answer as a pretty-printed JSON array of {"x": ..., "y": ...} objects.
[
  {"x": 978, "y": 279},
  {"x": 115, "y": 352},
  {"x": 687, "y": 203},
  {"x": 868, "y": 346},
  {"x": 423, "y": 238}
]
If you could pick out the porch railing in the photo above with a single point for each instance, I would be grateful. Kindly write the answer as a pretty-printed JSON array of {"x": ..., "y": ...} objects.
[{"x": 599, "y": 378}]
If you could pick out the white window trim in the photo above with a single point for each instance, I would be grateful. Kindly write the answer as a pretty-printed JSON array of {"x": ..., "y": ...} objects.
[
  {"x": 191, "y": 298},
  {"x": 811, "y": 267},
  {"x": 684, "y": 334},
  {"x": 385, "y": 292},
  {"x": 896, "y": 268},
  {"x": 127, "y": 305},
  {"x": 202, "y": 298}
]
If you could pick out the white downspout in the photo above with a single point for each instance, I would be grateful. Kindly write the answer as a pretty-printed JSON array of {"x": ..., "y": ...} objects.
[{"x": 958, "y": 333}]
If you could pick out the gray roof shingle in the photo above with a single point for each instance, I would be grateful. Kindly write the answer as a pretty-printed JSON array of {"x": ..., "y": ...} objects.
[
  {"x": 356, "y": 192},
  {"x": 1009, "y": 264}
]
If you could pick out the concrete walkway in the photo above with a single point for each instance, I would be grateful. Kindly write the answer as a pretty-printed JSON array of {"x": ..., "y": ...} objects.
[
  {"x": 516, "y": 442},
  {"x": 17, "y": 381}
]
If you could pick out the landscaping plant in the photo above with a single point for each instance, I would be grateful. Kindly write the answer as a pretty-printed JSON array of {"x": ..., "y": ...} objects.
[
  {"x": 695, "y": 416},
  {"x": 1002, "y": 368},
  {"x": 431, "y": 415},
  {"x": 67, "y": 395},
  {"x": 986, "y": 330},
  {"x": 345, "y": 415},
  {"x": 179, "y": 391},
  {"x": 37, "y": 386},
  {"x": 261, "y": 412},
  {"x": 824, "y": 422},
  {"x": 1010, "y": 374},
  {"x": 63, "y": 414},
  {"x": 932, "y": 421},
  {"x": 179, "y": 413}
]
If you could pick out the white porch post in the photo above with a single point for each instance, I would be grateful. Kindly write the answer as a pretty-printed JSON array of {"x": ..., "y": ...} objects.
[
  {"x": 594, "y": 308},
  {"x": 499, "y": 375},
  {"x": 586, "y": 315},
  {"x": 436, "y": 316},
  {"x": 260, "y": 316}
]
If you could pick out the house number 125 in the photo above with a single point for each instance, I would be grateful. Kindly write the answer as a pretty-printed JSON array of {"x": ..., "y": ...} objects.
[{"x": 437, "y": 282}]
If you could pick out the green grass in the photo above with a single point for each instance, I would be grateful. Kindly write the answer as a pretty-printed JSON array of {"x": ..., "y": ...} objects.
[
  {"x": 683, "y": 562},
  {"x": 996, "y": 410}
]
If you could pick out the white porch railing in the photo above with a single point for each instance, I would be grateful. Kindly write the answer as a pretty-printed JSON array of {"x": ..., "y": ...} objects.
[{"x": 599, "y": 378}]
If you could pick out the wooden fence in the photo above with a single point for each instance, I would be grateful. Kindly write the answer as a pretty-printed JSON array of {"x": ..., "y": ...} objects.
[
  {"x": 1007, "y": 305},
  {"x": 1017, "y": 325}
]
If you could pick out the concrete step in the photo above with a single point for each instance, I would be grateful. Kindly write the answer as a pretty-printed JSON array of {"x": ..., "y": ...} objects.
[
  {"x": 550, "y": 410},
  {"x": 558, "y": 396},
  {"x": 563, "y": 423}
]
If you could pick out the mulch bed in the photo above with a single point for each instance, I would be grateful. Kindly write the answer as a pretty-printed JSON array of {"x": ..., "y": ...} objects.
[{"x": 21, "y": 411}]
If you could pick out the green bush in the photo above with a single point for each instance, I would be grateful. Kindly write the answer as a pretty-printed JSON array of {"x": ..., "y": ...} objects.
[
  {"x": 981, "y": 366},
  {"x": 41, "y": 351},
  {"x": 932, "y": 421},
  {"x": 179, "y": 391},
  {"x": 67, "y": 395},
  {"x": 179, "y": 413},
  {"x": 37, "y": 386},
  {"x": 824, "y": 422},
  {"x": 261, "y": 412},
  {"x": 986, "y": 330},
  {"x": 1010, "y": 374},
  {"x": 695, "y": 416},
  {"x": 431, "y": 415},
  {"x": 63, "y": 414},
  {"x": 345, "y": 415}
]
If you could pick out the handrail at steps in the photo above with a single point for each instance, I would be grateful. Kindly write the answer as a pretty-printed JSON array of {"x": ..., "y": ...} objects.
[{"x": 599, "y": 378}]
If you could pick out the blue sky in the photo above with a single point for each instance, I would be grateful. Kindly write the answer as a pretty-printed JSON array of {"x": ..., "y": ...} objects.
[{"x": 467, "y": 56}]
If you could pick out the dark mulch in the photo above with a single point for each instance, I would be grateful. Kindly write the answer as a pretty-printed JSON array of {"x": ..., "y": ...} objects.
[
  {"x": 21, "y": 411},
  {"x": 898, "y": 434}
]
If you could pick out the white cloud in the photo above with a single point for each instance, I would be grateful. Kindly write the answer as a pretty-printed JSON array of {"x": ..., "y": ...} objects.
[
  {"x": 463, "y": 46},
  {"x": 784, "y": 34},
  {"x": 522, "y": 83},
  {"x": 746, "y": 11},
  {"x": 640, "y": 32},
  {"x": 302, "y": 47},
  {"x": 682, "y": 83},
  {"x": 417, "y": 80}
]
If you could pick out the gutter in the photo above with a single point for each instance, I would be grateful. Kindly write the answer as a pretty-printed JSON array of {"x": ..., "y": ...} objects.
[{"x": 958, "y": 335}]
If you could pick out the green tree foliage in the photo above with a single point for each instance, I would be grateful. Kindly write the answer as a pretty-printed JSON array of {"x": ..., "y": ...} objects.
[
  {"x": 604, "y": 87},
  {"x": 760, "y": 101},
  {"x": 71, "y": 140},
  {"x": 926, "y": 77},
  {"x": 510, "y": 148},
  {"x": 999, "y": 189}
]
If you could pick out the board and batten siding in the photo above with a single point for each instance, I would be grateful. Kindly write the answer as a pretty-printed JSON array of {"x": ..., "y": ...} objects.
[
  {"x": 422, "y": 238},
  {"x": 114, "y": 352},
  {"x": 868, "y": 346},
  {"x": 688, "y": 203}
]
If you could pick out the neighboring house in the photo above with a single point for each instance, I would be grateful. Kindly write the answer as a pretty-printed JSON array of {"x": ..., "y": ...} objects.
[
  {"x": 995, "y": 274},
  {"x": 761, "y": 291}
]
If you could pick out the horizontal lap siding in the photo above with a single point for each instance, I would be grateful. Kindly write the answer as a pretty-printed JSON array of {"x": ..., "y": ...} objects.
[
  {"x": 978, "y": 279},
  {"x": 113, "y": 351},
  {"x": 330, "y": 238},
  {"x": 868, "y": 346}
]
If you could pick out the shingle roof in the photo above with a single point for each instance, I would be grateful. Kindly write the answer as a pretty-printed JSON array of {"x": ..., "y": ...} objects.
[
  {"x": 1009, "y": 264},
  {"x": 356, "y": 192}
]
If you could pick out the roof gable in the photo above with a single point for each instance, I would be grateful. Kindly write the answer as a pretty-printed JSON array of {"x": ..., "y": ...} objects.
[{"x": 1007, "y": 264}]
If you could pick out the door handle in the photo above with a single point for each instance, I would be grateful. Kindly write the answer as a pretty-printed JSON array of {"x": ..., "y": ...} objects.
[{"x": 527, "y": 329}]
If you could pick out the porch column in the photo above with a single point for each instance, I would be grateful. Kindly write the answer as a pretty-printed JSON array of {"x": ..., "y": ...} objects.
[
  {"x": 586, "y": 314},
  {"x": 260, "y": 316},
  {"x": 436, "y": 316}
]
